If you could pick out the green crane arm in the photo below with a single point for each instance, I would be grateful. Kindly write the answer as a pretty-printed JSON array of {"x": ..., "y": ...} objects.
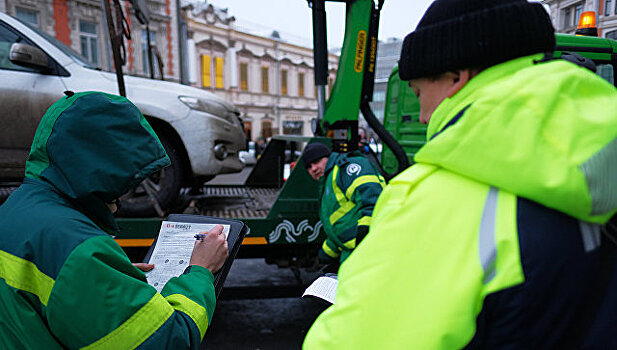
[{"x": 353, "y": 88}]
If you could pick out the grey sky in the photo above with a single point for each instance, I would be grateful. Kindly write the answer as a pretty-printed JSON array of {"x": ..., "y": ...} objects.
[{"x": 292, "y": 18}]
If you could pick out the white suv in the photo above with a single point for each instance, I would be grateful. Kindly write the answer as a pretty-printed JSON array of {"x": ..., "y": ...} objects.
[{"x": 201, "y": 132}]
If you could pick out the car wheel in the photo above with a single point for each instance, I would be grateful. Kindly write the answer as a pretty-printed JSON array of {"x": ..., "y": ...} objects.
[{"x": 156, "y": 194}]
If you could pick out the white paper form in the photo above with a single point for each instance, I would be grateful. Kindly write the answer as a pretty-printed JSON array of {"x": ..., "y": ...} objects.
[
  {"x": 173, "y": 249},
  {"x": 323, "y": 287}
]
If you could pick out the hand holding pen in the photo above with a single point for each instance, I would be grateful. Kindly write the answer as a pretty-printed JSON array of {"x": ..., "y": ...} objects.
[{"x": 210, "y": 250}]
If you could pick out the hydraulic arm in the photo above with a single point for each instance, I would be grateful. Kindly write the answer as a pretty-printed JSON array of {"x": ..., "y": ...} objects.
[{"x": 353, "y": 88}]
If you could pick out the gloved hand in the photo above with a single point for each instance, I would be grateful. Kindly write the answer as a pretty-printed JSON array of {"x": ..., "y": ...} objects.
[{"x": 325, "y": 258}]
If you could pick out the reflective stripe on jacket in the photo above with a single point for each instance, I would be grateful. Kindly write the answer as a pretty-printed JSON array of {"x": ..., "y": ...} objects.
[
  {"x": 350, "y": 190},
  {"x": 492, "y": 239},
  {"x": 64, "y": 281}
]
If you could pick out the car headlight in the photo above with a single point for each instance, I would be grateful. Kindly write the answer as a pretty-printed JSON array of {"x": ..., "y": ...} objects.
[{"x": 210, "y": 107}]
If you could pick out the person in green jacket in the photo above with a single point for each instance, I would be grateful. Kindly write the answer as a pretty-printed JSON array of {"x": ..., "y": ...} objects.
[
  {"x": 350, "y": 186},
  {"x": 64, "y": 281},
  {"x": 496, "y": 237}
]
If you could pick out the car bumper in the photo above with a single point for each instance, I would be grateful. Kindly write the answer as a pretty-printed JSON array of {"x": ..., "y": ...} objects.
[{"x": 201, "y": 133}]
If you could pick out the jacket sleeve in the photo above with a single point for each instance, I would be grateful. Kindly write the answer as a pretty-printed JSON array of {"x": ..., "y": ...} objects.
[
  {"x": 416, "y": 280},
  {"x": 100, "y": 300},
  {"x": 329, "y": 252},
  {"x": 362, "y": 190}
]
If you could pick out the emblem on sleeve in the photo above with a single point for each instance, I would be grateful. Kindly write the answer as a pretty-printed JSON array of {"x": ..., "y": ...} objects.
[{"x": 353, "y": 168}]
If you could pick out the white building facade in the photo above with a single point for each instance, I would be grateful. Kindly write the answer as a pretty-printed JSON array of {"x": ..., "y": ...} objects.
[{"x": 270, "y": 80}]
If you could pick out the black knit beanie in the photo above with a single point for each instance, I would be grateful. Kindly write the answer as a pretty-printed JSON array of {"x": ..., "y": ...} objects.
[
  {"x": 313, "y": 152},
  {"x": 458, "y": 34}
]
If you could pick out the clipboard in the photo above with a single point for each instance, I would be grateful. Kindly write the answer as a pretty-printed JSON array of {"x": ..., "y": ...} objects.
[{"x": 237, "y": 231}]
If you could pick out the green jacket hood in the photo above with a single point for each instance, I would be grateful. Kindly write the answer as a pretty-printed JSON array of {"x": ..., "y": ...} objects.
[
  {"x": 543, "y": 131},
  {"x": 93, "y": 147}
]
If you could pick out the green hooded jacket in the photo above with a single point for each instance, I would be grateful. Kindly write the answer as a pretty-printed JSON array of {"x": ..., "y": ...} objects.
[
  {"x": 491, "y": 239},
  {"x": 349, "y": 192},
  {"x": 64, "y": 281}
]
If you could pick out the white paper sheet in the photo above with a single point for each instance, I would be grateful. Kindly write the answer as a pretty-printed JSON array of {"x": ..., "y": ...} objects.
[
  {"x": 173, "y": 249},
  {"x": 323, "y": 287}
]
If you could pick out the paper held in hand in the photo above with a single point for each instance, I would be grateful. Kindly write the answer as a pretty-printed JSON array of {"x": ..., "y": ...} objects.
[
  {"x": 172, "y": 250},
  {"x": 323, "y": 287}
]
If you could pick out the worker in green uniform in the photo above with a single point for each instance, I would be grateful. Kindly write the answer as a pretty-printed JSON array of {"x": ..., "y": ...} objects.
[
  {"x": 64, "y": 281},
  {"x": 494, "y": 239},
  {"x": 350, "y": 186}
]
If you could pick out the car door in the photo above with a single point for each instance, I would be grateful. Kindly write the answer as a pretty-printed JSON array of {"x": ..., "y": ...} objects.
[{"x": 25, "y": 95}]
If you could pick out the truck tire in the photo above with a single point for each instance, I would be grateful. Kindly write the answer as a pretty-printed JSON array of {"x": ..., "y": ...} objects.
[{"x": 164, "y": 185}]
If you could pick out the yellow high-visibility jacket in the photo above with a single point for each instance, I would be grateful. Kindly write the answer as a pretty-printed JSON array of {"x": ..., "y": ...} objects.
[{"x": 493, "y": 238}]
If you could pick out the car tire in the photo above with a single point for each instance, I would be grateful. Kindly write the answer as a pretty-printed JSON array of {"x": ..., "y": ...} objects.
[{"x": 164, "y": 185}]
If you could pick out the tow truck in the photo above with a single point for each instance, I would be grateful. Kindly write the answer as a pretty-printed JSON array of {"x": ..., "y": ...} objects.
[{"x": 282, "y": 214}]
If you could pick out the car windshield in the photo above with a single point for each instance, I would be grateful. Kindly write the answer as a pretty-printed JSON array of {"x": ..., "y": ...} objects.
[{"x": 74, "y": 55}]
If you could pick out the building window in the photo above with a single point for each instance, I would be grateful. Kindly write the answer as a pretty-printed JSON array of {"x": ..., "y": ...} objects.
[
  {"x": 567, "y": 19},
  {"x": 206, "y": 77},
  {"x": 265, "y": 88},
  {"x": 244, "y": 83},
  {"x": 292, "y": 127},
  {"x": 284, "y": 82},
  {"x": 615, "y": 7},
  {"x": 88, "y": 38},
  {"x": 607, "y": 7},
  {"x": 578, "y": 9},
  {"x": 266, "y": 129},
  {"x": 300, "y": 84},
  {"x": 144, "y": 52},
  {"x": 218, "y": 72},
  {"x": 28, "y": 16},
  {"x": 571, "y": 14}
]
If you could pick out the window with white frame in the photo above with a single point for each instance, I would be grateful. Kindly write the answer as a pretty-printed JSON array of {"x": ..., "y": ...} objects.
[
  {"x": 244, "y": 76},
  {"x": 27, "y": 15},
  {"x": 88, "y": 39},
  {"x": 265, "y": 86},
  {"x": 611, "y": 35},
  {"x": 144, "y": 53},
  {"x": 578, "y": 9},
  {"x": 567, "y": 17},
  {"x": 572, "y": 13}
]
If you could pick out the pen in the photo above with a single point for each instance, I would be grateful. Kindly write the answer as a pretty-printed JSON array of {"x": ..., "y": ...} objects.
[{"x": 200, "y": 236}]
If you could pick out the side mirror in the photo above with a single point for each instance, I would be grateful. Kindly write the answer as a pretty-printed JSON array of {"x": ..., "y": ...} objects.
[{"x": 28, "y": 56}]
